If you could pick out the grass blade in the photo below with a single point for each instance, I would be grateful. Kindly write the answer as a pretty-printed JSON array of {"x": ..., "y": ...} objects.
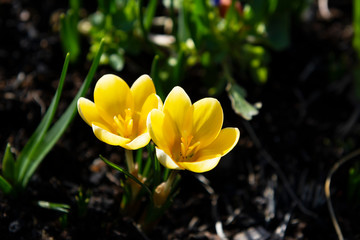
[
  {"x": 60, "y": 207},
  {"x": 5, "y": 186},
  {"x": 8, "y": 164},
  {"x": 27, "y": 154},
  {"x": 156, "y": 79},
  {"x": 149, "y": 14},
  {"x": 61, "y": 125}
]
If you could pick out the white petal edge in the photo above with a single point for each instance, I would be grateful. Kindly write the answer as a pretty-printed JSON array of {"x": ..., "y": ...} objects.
[{"x": 166, "y": 160}]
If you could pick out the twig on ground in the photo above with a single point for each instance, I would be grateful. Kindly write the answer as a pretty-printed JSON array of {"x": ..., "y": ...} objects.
[
  {"x": 214, "y": 210},
  {"x": 324, "y": 9},
  {"x": 277, "y": 168},
  {"x": 281, "y": 229},
  {"x": 336, "y": 166}
]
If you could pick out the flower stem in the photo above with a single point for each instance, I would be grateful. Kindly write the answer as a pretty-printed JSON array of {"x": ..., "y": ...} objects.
[
  {"x": 171, "y": 178},
  {"x": 129, "y": 160}
]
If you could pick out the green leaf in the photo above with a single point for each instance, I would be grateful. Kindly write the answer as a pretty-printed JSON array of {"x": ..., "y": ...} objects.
[
  {"x": 60, "y": 207},
  {"x": 69, "y": 34},
  {"x": 5, "y": 186},
  {"x": 149, "y": 14},
  {"x": 237, "y": 96},
  {"x": 124, "y": 171},
  {"x": 28, "y": 153},
  {"x": 183, "y": 28},
  {"x": 155, "y": 77},
  {"x": 278, "y": 29},
  {"x": 61, "y": 125},
  {"x": 356, "y": 26},
  {"x": 8, "y": 164},
  {"x": 75, "y": 4}
]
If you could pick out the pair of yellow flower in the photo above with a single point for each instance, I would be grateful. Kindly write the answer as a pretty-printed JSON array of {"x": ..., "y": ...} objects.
[{"x": 187, "y": 136}]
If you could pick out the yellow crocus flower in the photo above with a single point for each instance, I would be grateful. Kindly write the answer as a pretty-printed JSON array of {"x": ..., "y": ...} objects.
[
  {"x": 118, "y": 114},
  {"x": 189, "y": 136}
]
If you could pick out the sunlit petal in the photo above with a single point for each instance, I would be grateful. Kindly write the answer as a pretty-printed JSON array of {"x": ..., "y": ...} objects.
[
  {"x": 141, "y": 89},
  {"x": 178, "y": 105},
  {"x": 152, "y": 102},
  {"x": 208, "y": 120},
  {"x": 112, "y": 96},
  {"x": 161, "y": 130},
  {"x": 88, "y": 111},
  {"x": 201, "y": 166},
  {"x": 139, "y": 142},
  {"x": 108, "y": 137},
  {"x": 166, "y": 160},
  {"x": 224, "y": 143}
]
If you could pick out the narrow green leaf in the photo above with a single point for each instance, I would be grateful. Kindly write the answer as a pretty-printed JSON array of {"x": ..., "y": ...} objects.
[
  {"x": 239, "y": 103},
  {"x": 156, "y": 165},
  {"x": 356, "y": 27},
  {"x": 155, "y": 77},
  {"x": 75, "y": 4},
  {"x": 124, "y": 171},
  {"x": 60, "y": 207},
  {"x": 141, "y": 17},
  {"x": 149, "y": 14},
  {"x": 5, "y": 186},
  {"x": 69, "y": 34},
  {"x": 61, "y": 125},
  {"x": 138, "y": 158},
  {"x": 183, "y": 29},
  {"x": 8, "y": 164},
  {"x": 148, "y": 163},
  {"x": 28, "y": 152}
]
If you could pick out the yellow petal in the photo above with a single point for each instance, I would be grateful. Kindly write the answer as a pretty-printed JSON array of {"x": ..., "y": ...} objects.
[
  {"x": 88, "y": 111},
  {"x": 138, "y": 142},
  {"x": 108, "y": 137},
  {"x": 208, "y": 120},
  {"x": 178, "y": 106},
  {"x": 202, "y": 166},
  {"x": 152, "y": 102},
  {"x": 166, "y": 160},
  {"x": 112, "y": 96},
  {"x": 224, "y": 143},
  {"x": 162, "y": 130},
  {"x": 141, "y": 89}
]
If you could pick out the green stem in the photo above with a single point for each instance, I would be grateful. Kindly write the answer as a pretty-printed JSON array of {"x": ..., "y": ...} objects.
[
  {"x": 170, "y": 180},
  {"x": 129, "y": 160}
]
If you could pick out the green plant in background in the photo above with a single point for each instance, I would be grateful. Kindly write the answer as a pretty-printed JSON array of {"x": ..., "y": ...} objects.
[
  {"x": 356, "y": 46},
  {"x": 354, "y": 172},
  {"x": 216, "y": 40},
  {"x": 17, "y": 171},
  {"x": 123, "y": 25},
  {"x": 69, "y": 34},
  {"x": 231, "y": 42}
]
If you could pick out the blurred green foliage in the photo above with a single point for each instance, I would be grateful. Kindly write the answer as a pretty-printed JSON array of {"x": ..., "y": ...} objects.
[
  {"x": 198, "y": 37},
  {"x": 354, "y": 172}
]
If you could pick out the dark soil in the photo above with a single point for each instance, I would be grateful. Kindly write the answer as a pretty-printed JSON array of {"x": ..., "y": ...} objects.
[{"x": 270, "y": 187}]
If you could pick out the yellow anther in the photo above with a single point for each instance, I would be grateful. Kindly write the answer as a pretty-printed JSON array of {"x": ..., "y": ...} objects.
[
  {"x": 187, "y": 150},
  {"x": 124, "y": 125}
]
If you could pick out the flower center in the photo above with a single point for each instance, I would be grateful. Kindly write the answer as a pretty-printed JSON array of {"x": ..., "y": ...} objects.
[
  {"x": 125, "y": 125},
  {"x": 187, "y": 150}
]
